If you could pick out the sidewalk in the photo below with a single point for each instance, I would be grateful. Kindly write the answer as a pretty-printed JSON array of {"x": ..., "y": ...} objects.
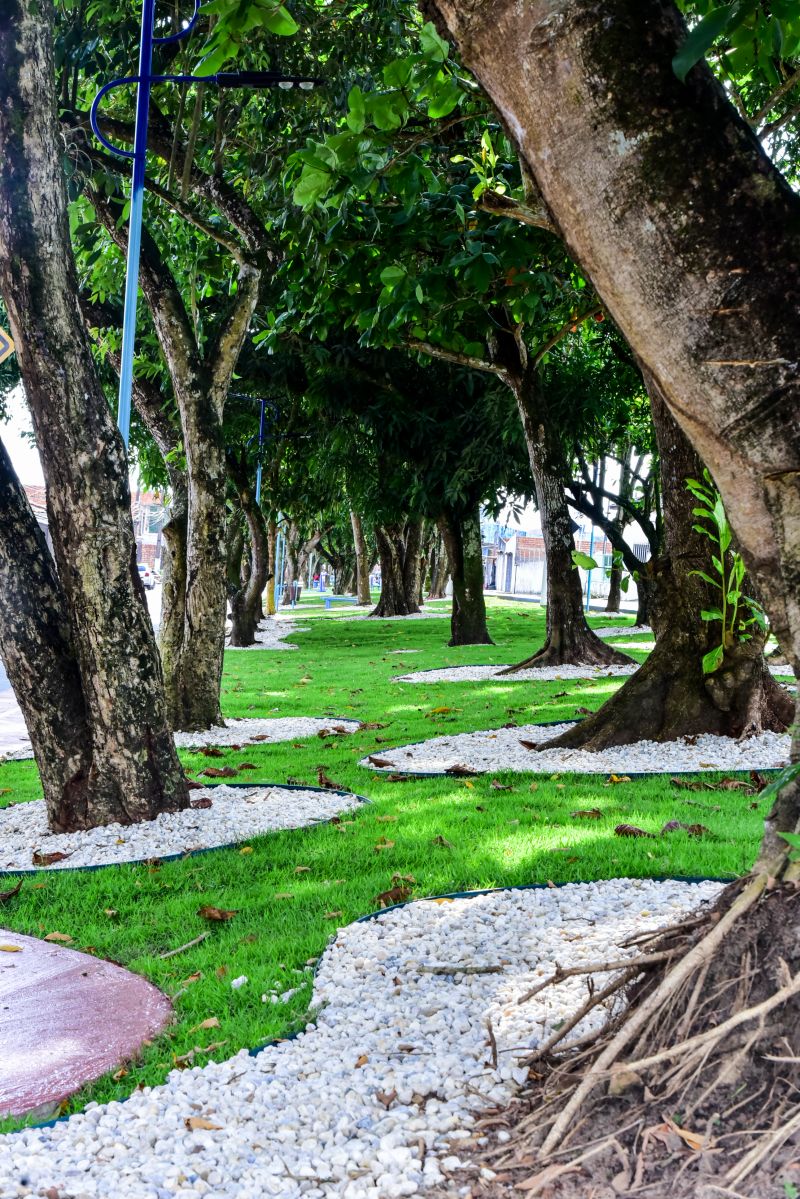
[{"x": 13, "y": 733}]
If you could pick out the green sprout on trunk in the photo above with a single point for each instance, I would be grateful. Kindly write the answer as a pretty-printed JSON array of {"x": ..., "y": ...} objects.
[{"x": 735, "y": 612}]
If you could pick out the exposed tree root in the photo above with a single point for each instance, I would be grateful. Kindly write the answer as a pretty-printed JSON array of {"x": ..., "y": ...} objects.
[
  {"x": 690, "y": 1092},
  {"x": 583, "y": 649}
]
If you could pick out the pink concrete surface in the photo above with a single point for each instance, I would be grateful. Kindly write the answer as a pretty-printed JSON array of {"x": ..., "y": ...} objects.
[{"x": 66, "y": 1018}]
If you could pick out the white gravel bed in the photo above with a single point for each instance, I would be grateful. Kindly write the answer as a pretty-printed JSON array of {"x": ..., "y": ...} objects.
[
  {"x": 648, "y": 645},
  {"x": 235, "y": 815},
  {"x": 265, "y": 730},
  {"x": 540, "y": 674},
  {"x": 619, "y": 630},
  {"x": 501, "y": 749},
  {"x": 423, "y": 615},
  {"x": 379, "y": 1097},
  {"x": 272, "y": 634}
]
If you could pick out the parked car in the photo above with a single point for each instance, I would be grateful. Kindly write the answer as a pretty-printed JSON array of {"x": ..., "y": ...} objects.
[{"x": 146, "y": 575}]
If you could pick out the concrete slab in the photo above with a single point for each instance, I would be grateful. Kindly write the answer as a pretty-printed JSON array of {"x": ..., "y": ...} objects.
[{"x": 65, "y": 1019}]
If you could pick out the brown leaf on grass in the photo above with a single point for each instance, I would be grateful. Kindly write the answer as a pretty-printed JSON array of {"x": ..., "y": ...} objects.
[
  {"x": 217, "y": 772},
  {"x": 399, "y": 778},
  {"x": 63, "y": 937},
  {"x": 478, "y": 808},
  {"x": 326, "y": 782},
  {"x": 584, "y": 711},
  {"x": 205, "y": 802},
  {"x": 688, "y": 784},
  {"x": 379, "y": 762},
  {"x": 191, "y": 785},
  {"x": 211, "y": 913},
  {"x": 694, "y": 830},
  {"x": 211, "y": 751},
  {"x": 587, "y": 814},
  {"x": 392, "y": 896},
  {"x": 496, "y": 786},
  {"x": 619, "y": 778},
  {"x": 197, "y": 1123},
  {"x": 6, "y": 895},
  {"x": 283, "y": 895},
  {"x": 438, "y": 711},
  {"x": 211, "y": 1022},
  {"x": 47, "y": 859},
  {"x": 302, "y": 869},
  {"x": 403, "y": 878},
  {"x": 247, "y": 766},
  {"x": 383, "y": 844},
  {"x": 371, "y": 724},
  {"x": 632, "y": 830},
  {"x": 758, "y": 780},
  {"x": 386, "y": 819},
  {"x": 333, "y": 915},
  {"x": 110, "y": 912},
  {"x": 440, "y": 840},
  {"x": 458, "y": 770}
]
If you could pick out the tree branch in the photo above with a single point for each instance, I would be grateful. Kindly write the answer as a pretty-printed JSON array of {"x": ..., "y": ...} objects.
[
  {"x": 455, "y": 356},
  {"x": 499, "y": 205}
]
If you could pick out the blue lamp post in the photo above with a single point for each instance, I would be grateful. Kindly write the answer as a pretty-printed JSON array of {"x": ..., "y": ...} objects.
[{"x": 144, "y": 81}]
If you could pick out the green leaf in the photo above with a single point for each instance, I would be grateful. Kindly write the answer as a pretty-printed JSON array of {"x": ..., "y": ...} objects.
[
  {"x": 711, "y": 614},
  {"x": 356, "y": 117},
  {"x": 281, "y": 22},
  {"x": 701, "y": 38},
  {"x": 706, "y": 578},
  {"x": 312, "y": 186},
  {"x": 442, "y": 103},
  {"x": 787, "y": 775},
  {"x": 713, "y": 659},
  {"x": 392, "y": 275},
  {"x": 583, "y": 560},
  {"x": 433, "y": 46},
  {"x": 624, "y": 584}
]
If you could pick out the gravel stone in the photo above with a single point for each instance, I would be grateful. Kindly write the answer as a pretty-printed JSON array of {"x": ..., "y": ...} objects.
[
  {"x": 501, "y": 749},
  {"x": 304, "y": 1117},
  {"x": 236, "y": 814},
  {"x": 619, "y": 630},
  {"x": 539, "y": 674},
  {"x": 271, "y": 634}
]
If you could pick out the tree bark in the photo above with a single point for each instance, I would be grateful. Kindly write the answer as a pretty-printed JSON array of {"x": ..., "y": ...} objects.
[
  {"x": 398, "y": 547},
  {"x": 569, "y": 638},
  {"x": 245, "y": 600},
  {"x": 669, "y": 696},
  {"x": 272, "y": 548},
  {"x": 362, "y": 560},
  {"x": 695, "y": 249},
  {"x": 614, "y": 589},
  {"x": 462, "y": 537},
  {"x": 439, "y": 569},
  {"x": 129, "y": 770},
  {"x": 173, "y": 589}
]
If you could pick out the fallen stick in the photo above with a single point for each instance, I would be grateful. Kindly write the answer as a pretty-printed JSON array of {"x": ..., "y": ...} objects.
[{"x": 171, "y": 952}]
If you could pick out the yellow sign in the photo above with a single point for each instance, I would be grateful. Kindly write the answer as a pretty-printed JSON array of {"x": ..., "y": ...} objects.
[{"x": 6, "y": 346}]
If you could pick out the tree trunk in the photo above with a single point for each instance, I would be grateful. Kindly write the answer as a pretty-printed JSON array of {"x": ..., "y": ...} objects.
[
  {"x": 439, "y": 570},
  {"x": 412, "y": 564},
  {"x": 570, "y": 641},
  {"x": 173, "y": 590},
  {"x": 706, "y": 304},
  {"x": 272, "y": 550},
  {"x": 362, "y": 560},
  {"x": 462, "y": 536},
  {"x": 669, "y": 696},
  {"x": 399, "y": 563},
  {"x": 614, "y": 589},
  {"x": 245, "y": 600},
  {"x": 129, "y": 770},
  {"x": 643, "y": 591}
]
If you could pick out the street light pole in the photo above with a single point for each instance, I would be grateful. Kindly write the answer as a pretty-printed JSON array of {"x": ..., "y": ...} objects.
[{"x": 144, "y": 81}]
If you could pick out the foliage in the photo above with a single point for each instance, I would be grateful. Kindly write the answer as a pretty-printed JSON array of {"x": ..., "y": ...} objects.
[{"x": 736, "y": 612}]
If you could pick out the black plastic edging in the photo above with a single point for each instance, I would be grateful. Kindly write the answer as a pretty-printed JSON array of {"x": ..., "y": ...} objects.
[{"x": 193, "y": 853}]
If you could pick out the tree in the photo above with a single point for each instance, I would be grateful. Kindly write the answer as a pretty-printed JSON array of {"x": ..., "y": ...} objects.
[
  {"x": 99, "y": 728},
  {"x": 695, "y": 249}
]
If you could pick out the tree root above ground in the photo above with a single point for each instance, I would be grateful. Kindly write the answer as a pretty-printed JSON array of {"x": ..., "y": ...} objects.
[
  {"x": 691, "y": 1091},
  {"x": 586, "y": 650}
]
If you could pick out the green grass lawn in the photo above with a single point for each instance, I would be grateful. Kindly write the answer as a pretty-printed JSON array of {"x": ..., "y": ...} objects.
[{"x": 291, "y": 890}]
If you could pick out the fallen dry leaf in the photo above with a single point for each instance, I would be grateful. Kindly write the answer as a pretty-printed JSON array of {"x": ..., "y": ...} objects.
[
  {"x": 211, "y": 1022},
  {"x": 216, "y": 772},
  {"x": 10, "y": 949},
  {"x": 458, "y": 770},
  {"x": 246, "y": 849},
  {"x": 384, "y": 843},
  {"x": 194, "y": 1123},
  {"x": 205, "y": 802},
  {"x": 326, "y": 782},
  {"x": 496, "y": 786},
  {"x": 333, "y": 915},
  {"x": 211, "y": 751},
  {"x": 386, "y": 1098},
  {"x": 619, "y": 778},
  {"x": 385, "y": 819},
  {"x": 247, "y": 766},
  {"x": 587, "y": 814},
  {"x": 283, "y": 895},
  {"x": 6, "y": 895},
  {"x": 362, "y": 1061},
  {"x": 529, "y": 744},
  {"x": 65, "y": 937},
  {"x": 211, "y": 913},
  {"x": 694, "y": 830},
  {"x": 47, "y": 859},
  {"x": 440, "y": 840},
  {"x": 379, "y": 762},
  {"x": 394, "y": 895},
  {"x": 302, "y": 869},
  {"x": 631, "y": 830}
]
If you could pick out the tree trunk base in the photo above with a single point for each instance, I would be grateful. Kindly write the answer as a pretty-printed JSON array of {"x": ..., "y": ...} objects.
[
  {"x": 586, "y": 649},
  {"x": 669, "y": 698},
  {"x": 672, "y": 1055}
]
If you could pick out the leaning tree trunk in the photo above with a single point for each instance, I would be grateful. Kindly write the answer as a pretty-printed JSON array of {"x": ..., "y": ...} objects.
[
  {"x": 129, "y": 770},
  {"x": 462, "y": 537},
  {"x": 669, "y": 696},
  {"x": 569, "y": 641},
  {"x": 614, "y": 589},
  {"x": 398, "y": 576},
  {"x": 245, "y": 593},
  {"x": 362, "y": 559}
]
